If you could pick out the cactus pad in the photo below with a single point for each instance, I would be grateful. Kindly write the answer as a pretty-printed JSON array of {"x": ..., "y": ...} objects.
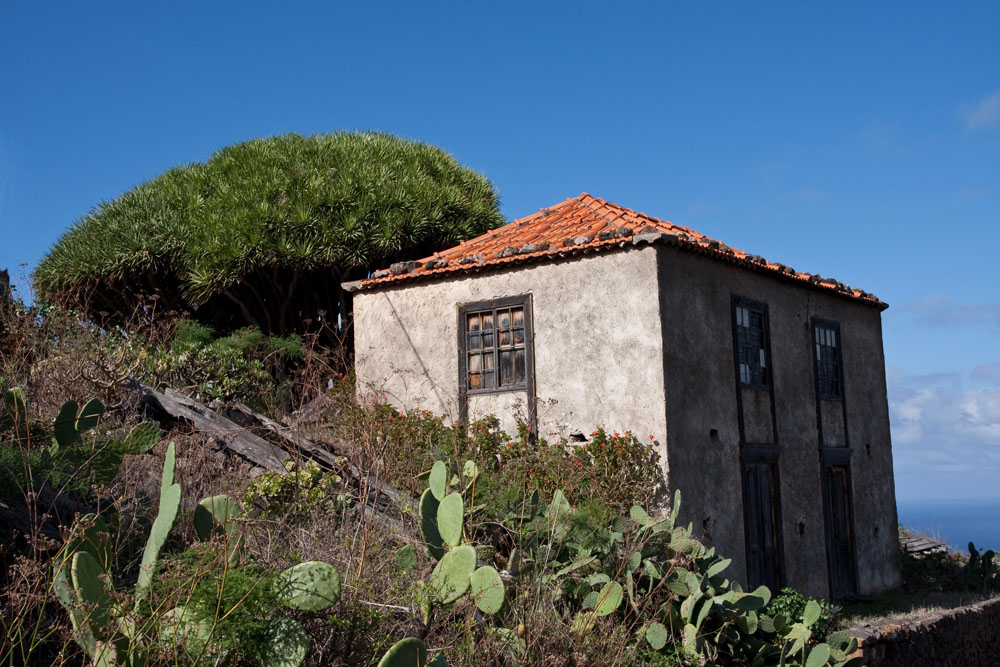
[
  {"x": 438, "y": 481},
  {"x": 487, "y": 589},
  {"x": 639, "y": 515},
  {"x": 17, "y": 405},
  {"x": 215, "y": 516},
  {"x": 93, "y": 540},
  {"x": 180, "y": 627},
  {"x": 89, "y": 589},
  {"x": 656, "y": 635},
  {"x": 450, "y": 578},
  {"x": 142, "y": 438},
  {"x": 65, "y": 425},
  {"x": 284, "y": 643},
  {"x": 89, "y": 415},
  {"x": 609, "y": 598},
  {"x": 408, "y": 652},
  {"x": 449, "y": 519},
  {"x": 310, "y": 586},
  {"x": 406, "y": 558},
  {"x": 170, "y": 502},
  {"x": 428, "y": 524}
]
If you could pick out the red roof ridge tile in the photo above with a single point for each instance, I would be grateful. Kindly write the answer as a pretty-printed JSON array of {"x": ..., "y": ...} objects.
[{"x": 579, "y": 224}]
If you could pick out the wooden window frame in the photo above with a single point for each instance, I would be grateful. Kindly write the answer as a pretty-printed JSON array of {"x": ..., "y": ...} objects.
[
  {"x": 522, "y": 301},
  {"x": 764, "y": 344},
  {"x": 816, "y": 350}
]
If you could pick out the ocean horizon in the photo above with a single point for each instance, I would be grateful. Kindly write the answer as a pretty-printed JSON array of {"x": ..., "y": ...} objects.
[{"x": 956, "y": 522}]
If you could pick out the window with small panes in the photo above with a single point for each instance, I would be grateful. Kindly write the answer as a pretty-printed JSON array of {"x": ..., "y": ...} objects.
[
  {"x": 751, "y": 344},
  {"x": 826, "y": 348},
  {"x": 495, "y": 345}
]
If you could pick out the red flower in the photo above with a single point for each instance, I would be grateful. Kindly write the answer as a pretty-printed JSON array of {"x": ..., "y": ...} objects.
[{"x": 650, "y": 436}]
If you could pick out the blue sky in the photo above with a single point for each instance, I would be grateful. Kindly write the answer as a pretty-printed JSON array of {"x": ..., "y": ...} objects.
[{"x": 855, "y": 140}]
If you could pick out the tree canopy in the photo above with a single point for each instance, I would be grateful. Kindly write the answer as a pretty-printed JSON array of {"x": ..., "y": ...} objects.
[{"x": 264, "y": 232}]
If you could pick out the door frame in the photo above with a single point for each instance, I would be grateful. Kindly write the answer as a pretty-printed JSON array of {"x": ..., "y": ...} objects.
[
  {"x": 838, "y": 456},
  {"x": 764, "y": 454}
]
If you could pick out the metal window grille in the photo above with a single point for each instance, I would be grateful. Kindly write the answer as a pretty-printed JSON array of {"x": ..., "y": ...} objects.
[
  {"x": 495, "y": 349},
  {"x": 827, "y": 362},
  {"x": 751, "y": 346}
]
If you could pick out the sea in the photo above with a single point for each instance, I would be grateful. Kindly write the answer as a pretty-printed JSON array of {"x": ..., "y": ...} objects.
[{"x": 956, "y": 522}]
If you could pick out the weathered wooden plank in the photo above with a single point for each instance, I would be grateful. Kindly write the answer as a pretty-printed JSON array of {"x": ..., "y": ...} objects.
[
  {"x": 222, "y": 430},
  {"x": 288, "y": 435},
  {"x": 315, "y": 450}
]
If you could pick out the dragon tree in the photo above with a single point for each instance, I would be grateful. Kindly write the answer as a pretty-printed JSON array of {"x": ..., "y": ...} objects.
[{"x": 265, "y": 231}]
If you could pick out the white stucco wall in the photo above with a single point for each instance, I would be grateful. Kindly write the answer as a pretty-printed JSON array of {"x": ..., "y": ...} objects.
[{"x": 596, "y": 340}]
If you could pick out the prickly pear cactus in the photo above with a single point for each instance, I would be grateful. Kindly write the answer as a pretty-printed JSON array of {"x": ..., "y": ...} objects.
[
  {"x": 285, "y": 643},
  {"x": 214, "y": 516},
  {"x": 89, "y": 416},
  {"x": 94, "y": 540},
  {"x": 450, "y": 515},
  {"x": 450, "y": 579},
  {"x": 64, "y": 426},
  {"x": 656, "y": 635},
  {"x": 429, "y": 526},
  {"x": 92, "y": 604},
  {"x": 487, "y": 589},
  {"x": 609, "y": 598},
  {"x": 142, "y": 438},
  {"x": 310, "y": 586},
  {"x": 438, "y": 481},
  {"x": 181, "y": 628},
  {"x": 170, "y": 502},
  {"x": 16, "y": 404},
  {"x": 406, "y": 558},
  {"x": 405, "y": 653}
]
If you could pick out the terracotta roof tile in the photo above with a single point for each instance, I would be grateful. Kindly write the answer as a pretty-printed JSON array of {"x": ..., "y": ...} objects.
[{"x": 586, "y": 224}]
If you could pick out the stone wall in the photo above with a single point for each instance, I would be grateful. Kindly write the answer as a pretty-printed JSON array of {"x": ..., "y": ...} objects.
[{"x": 966, "y": 636}]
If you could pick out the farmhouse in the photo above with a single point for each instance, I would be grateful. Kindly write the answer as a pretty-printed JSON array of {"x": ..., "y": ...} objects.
[{"x": 763, "y": 387}]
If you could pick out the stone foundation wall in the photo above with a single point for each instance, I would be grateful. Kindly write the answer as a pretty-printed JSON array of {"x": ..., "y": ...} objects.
[{"x": 966, "y": 636}]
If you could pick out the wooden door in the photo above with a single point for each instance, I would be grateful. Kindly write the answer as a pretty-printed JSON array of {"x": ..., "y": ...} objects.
[
  {"x": 760, "y": 508},
  {"x": 839, "y": 539}
]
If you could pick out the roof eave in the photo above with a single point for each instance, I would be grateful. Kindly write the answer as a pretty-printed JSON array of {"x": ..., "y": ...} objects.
[{"x": 648, "y": 237}]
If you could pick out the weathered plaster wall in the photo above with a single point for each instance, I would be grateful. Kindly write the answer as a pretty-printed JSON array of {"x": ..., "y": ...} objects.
[
  {"x": 834, "y": 428},
  {"x": 702, "y": 414},
  {"x": 595, "y": 335}
]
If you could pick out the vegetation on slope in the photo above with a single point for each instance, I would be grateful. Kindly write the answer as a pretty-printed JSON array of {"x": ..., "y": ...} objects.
[{"x": 103, "y": 539}]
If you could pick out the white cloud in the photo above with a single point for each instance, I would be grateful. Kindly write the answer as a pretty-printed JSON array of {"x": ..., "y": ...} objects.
[
  {"x": 987, "y": 373},
  {"x": 940, "y": 426},
  {"x": 942, "y": 310},
  {"x": 984, "y": 115}
]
